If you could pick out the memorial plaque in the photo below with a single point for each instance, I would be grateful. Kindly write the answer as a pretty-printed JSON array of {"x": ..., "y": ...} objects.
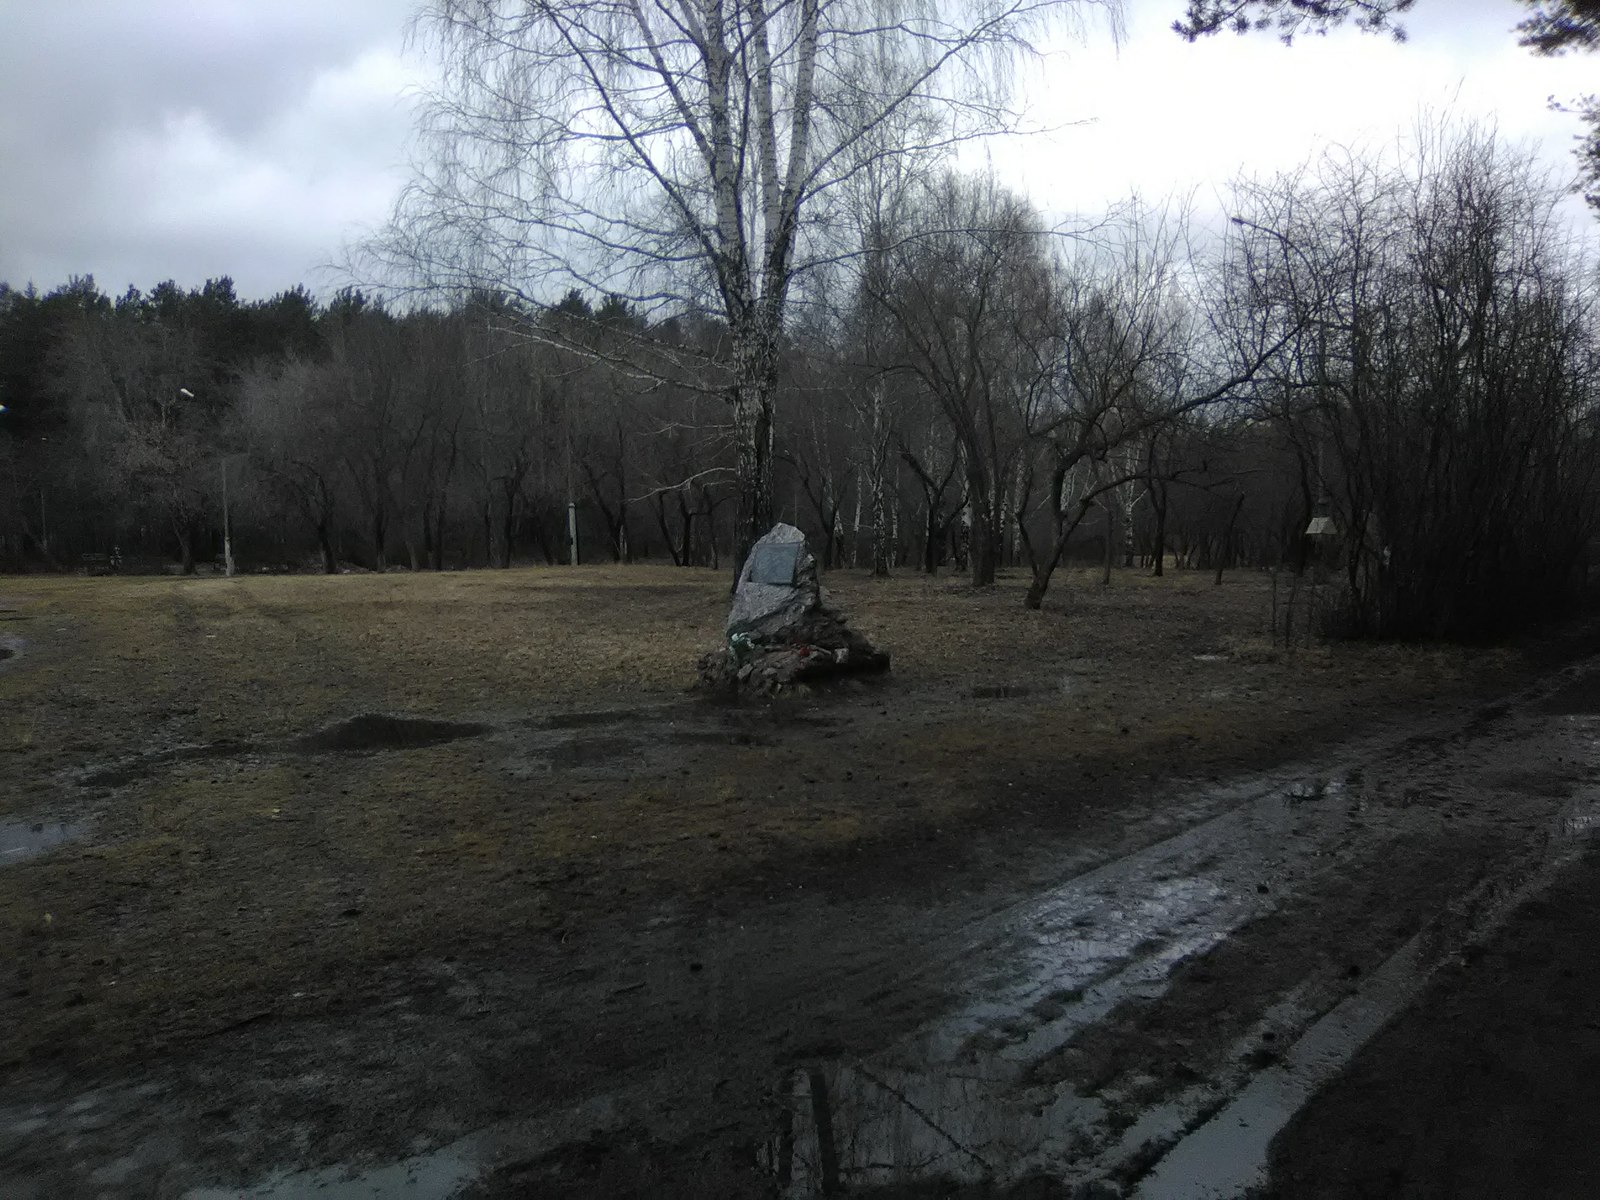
[{"x": 774, "y": 563}]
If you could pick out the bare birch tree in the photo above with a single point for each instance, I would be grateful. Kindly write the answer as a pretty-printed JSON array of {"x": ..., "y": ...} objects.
[{"x": 682, "y": 153}]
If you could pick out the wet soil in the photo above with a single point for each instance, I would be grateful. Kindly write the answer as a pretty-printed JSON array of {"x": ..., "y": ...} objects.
[
  {"x": 380, "y": 731},
  {"x": 1485, "y": 1088},
  {"x": 609, "y": 940}
]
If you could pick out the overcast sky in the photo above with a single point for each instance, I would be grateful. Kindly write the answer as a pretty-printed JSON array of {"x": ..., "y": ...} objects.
[{"x": 149, "y": 139}]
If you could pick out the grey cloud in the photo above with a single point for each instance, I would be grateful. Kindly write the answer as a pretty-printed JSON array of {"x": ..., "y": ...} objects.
[
  {"x": 95, "y": 64},
  {"x": 82, "y": 81}
]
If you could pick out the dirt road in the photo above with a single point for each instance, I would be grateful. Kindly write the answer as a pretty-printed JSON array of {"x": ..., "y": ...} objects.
[{"x": 1130, "y": 995}]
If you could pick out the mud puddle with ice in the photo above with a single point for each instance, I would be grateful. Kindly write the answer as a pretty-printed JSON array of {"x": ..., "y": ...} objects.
[
  {"x": 621, "y": 744},
  {"x": 20, "y": 840},
  {"x": 956, "y": 1100},
  {"x": 434, "y": 1176}
]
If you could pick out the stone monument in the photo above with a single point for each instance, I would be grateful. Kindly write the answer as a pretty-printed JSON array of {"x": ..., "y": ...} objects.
[{"x": 781, "y": 630}]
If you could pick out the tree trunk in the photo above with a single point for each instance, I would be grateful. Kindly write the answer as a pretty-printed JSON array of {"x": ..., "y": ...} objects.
[
  {"x": 752, "y": 424},
  {"x": 1227, "y": 539},
  {"x": 1158, "y": 499},
  {"x": 325, "y": 544},
  {"x": 855, "y": 530},
  {"x": 185, "y": 546},
  {"x": 508, "y": 526},
  {"x": 1129, "y": 548},
  {"x": 984, "y": 548},
  {"x": 1105, "y": 579},
  {"x": 686, "y": 552},
  {"x": 666, "y": 530},
  {"x": 438, "y": 536},
  {"x": 984, "y": 554},
  {"x": 896, "y": 550},
  {"x": 1040, "y": 583},
  {"x": 880, "y": 532},
  {"x": 380, "y": 529}
]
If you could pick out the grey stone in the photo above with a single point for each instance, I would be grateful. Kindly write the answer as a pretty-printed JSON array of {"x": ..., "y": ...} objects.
[
  {"x": 766, "y": 610},
  {"x": 782, "y": 632}
]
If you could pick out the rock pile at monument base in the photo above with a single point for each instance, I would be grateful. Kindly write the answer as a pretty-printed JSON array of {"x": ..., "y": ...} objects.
[{"x": 781, "y": 631}]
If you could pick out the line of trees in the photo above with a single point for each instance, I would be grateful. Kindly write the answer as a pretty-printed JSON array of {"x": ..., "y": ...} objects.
[{"x": 1404, "y": 344}]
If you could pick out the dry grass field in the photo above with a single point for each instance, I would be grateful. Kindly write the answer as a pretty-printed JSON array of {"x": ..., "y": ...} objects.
[{"x": 244, "y": 853}]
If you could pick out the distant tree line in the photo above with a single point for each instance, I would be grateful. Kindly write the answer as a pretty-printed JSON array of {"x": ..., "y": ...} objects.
[{"x": 1398, "y": 350}]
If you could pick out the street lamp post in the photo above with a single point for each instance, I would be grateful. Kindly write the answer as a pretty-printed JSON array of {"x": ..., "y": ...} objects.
[{"x": 227, "y": 526}]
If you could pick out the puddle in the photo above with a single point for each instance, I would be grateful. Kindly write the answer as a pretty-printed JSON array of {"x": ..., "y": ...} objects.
[
  {"x": 367, "y": 732},
  {"x": 620, "y": 742},
  {"x": 589, "y": 718},
  {"x": 426, "y": 1177},
  {"x": 24, "y": 839},
  {"x": 378, "y": 731},
  {"x": 588, "y": 752},
  {"x": 955, "y": 1100},
  {"x": 1581, "y": 697}
]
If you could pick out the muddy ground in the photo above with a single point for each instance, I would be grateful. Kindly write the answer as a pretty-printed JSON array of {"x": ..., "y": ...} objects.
[
  {"x": 410, "y": 885},
  {"x": 1486, "y": 1087}
]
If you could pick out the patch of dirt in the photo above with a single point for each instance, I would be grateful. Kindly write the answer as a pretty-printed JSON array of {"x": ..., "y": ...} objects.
[
  {"x": 379, "y": 731},
  {"x": 581, "y": 719},
  {"x": 1581, "y": 697},
  {"x": 130, "y": 771},
  {"x": 1485, "y": 1088}
]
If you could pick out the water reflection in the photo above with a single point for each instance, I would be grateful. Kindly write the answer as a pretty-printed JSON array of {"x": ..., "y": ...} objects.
[
  {"x": 24, "y": 839},
  {"x": 956, "y": 1101}
]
